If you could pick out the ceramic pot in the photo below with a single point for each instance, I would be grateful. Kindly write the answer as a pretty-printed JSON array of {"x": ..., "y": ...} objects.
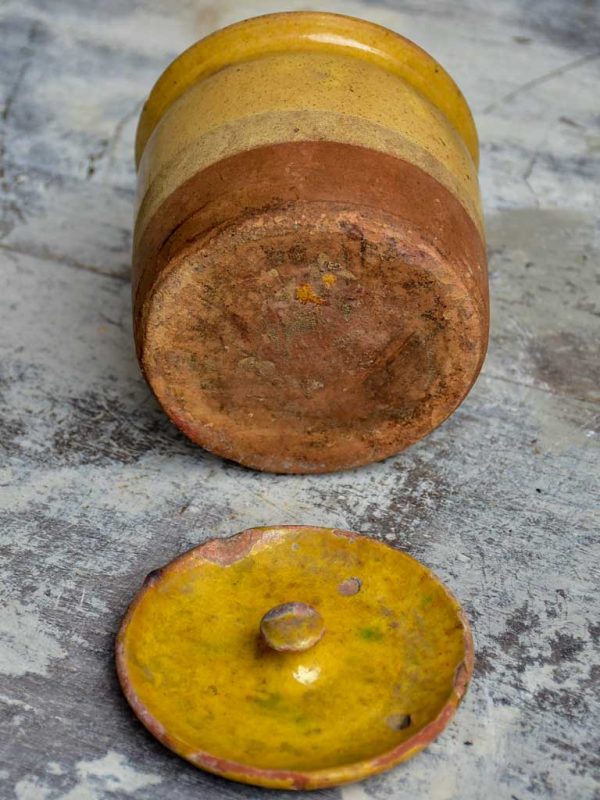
[{"x": 309, "y": 270}]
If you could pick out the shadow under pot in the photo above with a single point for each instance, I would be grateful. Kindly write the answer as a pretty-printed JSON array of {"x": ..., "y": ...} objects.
[{"x": 309, "y": 278}]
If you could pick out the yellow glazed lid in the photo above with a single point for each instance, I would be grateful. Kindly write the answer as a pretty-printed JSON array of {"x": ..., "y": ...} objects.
[{"x": 294, "y": 657}]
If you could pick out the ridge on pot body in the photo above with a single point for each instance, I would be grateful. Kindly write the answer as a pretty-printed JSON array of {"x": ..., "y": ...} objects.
[{"x": 309, "y": 276}]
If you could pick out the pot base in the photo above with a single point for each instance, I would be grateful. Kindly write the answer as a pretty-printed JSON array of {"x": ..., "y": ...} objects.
[{"x": 311, "y": 334}]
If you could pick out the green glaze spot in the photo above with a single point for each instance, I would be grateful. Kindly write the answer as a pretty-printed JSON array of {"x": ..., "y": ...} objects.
[{"x": 370, "y": 634}]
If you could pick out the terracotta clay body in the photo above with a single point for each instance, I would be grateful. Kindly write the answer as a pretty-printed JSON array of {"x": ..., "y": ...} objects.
[{"x": 310, "y": 285}]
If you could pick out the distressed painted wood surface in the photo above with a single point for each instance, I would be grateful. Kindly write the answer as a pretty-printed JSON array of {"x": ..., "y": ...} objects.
[{"x": 97, "y": 488}]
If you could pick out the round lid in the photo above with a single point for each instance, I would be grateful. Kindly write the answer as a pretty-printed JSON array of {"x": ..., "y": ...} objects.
[{"x": 294, "y": 657}]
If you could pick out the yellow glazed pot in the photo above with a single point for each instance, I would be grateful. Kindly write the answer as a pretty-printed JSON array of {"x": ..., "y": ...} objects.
[
  {"x": 294, "y": 657},
  {"x": 309, "y": 270}
]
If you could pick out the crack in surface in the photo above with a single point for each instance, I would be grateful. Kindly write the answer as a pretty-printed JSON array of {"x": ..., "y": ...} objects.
[
  {"x": 66, "y": 262},
  {"x": 547, "y": 76},
  {"x": 545, "y": 390},
  {"x": 27, "y": 51}
]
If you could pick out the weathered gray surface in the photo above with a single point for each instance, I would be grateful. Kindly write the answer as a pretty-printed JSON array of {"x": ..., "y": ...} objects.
[{"x": 97, "y": 488}]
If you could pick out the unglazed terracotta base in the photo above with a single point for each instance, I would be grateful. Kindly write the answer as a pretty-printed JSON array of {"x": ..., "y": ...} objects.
[{"x": 308, "y": 304}]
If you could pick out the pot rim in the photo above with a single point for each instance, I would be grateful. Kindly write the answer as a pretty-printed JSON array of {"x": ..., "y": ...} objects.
[{"x": 308, "y": 31}]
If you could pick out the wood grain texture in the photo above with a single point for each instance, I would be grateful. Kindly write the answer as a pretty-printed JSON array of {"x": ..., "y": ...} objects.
[{"x": 97, "y": 488}]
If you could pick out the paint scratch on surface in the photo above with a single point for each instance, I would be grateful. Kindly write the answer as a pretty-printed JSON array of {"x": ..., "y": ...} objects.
[
  {"x": 354, "y": 792},
  {"x": 29, "y": 645},
  {"x": 111, "y": 773}
]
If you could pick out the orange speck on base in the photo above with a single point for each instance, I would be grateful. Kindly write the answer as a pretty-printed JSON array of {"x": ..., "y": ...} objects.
[
  {"x": 329, "y": 279},
  {"x": 306, "y": 294}
]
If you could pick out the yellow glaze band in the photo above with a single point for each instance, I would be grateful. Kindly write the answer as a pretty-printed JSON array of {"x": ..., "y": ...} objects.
[
  {"x": 309, "y": 32},
  {"x": 296, "y": 97}
]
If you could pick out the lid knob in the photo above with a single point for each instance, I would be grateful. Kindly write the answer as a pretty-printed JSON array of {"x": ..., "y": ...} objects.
[{"x": 292, "y": 627}]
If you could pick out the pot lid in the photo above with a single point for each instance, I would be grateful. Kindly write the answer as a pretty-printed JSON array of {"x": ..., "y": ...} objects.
[{"x": 294, "y": 657}]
